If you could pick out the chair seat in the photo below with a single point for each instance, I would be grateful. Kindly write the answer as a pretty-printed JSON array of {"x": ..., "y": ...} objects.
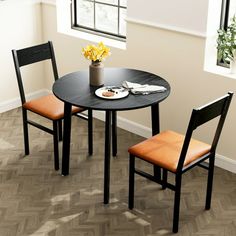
[
  {"x": 49, "y": 106},
  {"x": 164, "y": 150}
]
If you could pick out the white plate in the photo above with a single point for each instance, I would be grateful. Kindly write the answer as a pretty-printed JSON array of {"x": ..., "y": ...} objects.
[{"x": 119, "y": 92}]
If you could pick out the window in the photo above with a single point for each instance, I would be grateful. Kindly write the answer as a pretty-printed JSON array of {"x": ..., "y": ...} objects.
[
  {"x": 227, "y": 11},
  {"x": 220, "y": 14},
  {"x": 102, "y": 17}
]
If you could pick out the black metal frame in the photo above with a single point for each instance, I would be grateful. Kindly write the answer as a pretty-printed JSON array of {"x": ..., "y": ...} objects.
[
  {"x": 76, "y": 25},
  {"x": 217, "y": 108},
  {"x": 30, "y": 55}
]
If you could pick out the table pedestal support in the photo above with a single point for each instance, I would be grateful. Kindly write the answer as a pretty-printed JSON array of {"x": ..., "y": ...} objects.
[
  {"x": 90, "y": 131},
  {"x": 156, "y": 130},
  {"x": 66, "y": 139},
  {"x": 107, "y": 157},
  {"x": 114, "y": 133}
]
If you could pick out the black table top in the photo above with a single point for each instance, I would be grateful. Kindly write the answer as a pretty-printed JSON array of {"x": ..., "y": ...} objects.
[{"x": 74, "y": 88}]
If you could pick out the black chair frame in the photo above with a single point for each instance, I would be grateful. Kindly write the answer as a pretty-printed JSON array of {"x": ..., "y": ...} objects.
[
  {"x": 32, "y": 55},
  {"x": 199, "y": 117}
]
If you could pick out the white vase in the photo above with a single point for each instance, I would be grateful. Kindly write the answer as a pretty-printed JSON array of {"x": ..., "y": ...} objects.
[{"x": 96, "y": 73}]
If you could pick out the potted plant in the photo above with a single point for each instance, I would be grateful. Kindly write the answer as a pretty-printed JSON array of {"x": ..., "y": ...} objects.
[{"x": 226, "y": 43}]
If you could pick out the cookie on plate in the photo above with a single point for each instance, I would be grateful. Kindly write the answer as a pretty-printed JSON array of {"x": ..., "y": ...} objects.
[{"x": 108, "y": 94}]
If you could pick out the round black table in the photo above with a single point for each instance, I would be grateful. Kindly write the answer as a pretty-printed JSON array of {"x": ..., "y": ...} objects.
[{"x": 74, "y": 89}]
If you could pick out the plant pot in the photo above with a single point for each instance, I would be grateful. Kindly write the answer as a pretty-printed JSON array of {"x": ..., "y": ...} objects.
[{"x": 96, "y": 74}]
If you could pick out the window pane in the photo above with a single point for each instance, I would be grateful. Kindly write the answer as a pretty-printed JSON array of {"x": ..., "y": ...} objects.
[
  {"x": 123, "y": 3},
  {"x": 106, "y": 18},
  {"x": 122, "y": 22},
  {"x": 85, "y": 15},
  {"x": 114, "y": 2}
]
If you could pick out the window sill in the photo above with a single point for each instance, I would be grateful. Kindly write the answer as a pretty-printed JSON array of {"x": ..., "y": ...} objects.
[
  {"x": 95, "y": 38},
  {"x": 221, "y": 71}
]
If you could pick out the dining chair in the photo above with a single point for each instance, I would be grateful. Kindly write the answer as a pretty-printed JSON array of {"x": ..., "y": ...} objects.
[
  {"x": 177, "y": 153},
  {"x": 47, "y": 106}
]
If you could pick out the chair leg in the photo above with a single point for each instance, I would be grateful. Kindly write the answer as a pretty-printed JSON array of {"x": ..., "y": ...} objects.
[
  {"x": 131, "y": 181},
  {"x": 60, "y": 129},
  {"x": 26, "y": 132},
  {"x": 90, "y": 131},
  {"x": 164, "y": 178},
  {"x": 157, "y": 172},
  {"x": 55, "y": 142},
  {"x": 177, "y": 203},
  {"x": 210, "y": 183}
]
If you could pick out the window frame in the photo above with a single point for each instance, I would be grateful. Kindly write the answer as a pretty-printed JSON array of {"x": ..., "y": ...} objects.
[
  {"x": 224, "y": 22},
  {"x": 75, "y": 25},
  {"x": 224, "y": 18}
]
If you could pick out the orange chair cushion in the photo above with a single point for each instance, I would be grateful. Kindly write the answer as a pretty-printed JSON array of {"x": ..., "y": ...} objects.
[
  {"x": 164, "y": 150},
  {"x": 49, "y": 106}
]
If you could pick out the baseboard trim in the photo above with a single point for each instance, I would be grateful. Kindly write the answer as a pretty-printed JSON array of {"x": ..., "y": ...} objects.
[
  {"x": 143, "y": 131},
  {"x": 225, "y": 163},
  {"x": 126, "y": 124},
  {"x": 16, "y": 102}
]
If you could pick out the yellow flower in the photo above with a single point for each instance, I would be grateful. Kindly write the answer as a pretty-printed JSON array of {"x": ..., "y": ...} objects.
[{"x": 96, "y": 53}]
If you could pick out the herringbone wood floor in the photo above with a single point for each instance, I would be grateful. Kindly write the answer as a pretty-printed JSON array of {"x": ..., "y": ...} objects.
[{"x": 35, "y": 200}]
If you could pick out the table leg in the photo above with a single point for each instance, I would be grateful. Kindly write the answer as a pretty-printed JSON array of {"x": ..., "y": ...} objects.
[
  {"x": 156, "y": 130},
  {"x": 114, "y": 133},
  {"x": 107, "y": 157},
  {"x": 155, "y": 119},
  {"x": 90, "y": 131},
  {"x": 66, "y": 139}
]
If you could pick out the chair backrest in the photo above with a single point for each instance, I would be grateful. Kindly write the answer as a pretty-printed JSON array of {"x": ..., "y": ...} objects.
[
  {"x": 30, "y": 55},
  {"x": 202, "y": 115}
]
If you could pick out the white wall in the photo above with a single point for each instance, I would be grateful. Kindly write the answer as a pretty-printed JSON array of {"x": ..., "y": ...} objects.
[
  {"x": 183, "y": 15},
  {"x": 20, "y": 26}
]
